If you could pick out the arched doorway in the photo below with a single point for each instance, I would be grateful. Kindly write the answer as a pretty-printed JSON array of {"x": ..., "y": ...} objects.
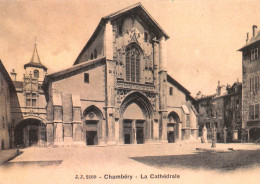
[
  {"x": 133, "y": 125},
  {"x": 92, "y": 125},
  {"x": 30, "y": 132},
  {"x": 173, "y": 127},
  {"x": 136, "y": 120},
  {"x": 254, "y": 134}
]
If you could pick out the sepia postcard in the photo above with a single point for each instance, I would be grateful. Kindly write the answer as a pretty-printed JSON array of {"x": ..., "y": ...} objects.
[{"x": 133, "y": 91}]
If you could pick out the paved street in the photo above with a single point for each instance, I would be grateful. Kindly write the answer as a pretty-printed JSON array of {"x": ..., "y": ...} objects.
[{"x": 132, "y": 164}]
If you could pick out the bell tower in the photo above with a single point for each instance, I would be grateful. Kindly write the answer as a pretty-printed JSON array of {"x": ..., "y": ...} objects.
[{"x": 35, "y": 68}]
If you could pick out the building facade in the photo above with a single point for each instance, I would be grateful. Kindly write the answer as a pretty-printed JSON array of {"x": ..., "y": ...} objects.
[
  {"x": 28, "y": 105},
  {"x": 250, "y": 91},
  {"x": 6, "y": 92},
  {"x": 118, "y": 90},
  {"x": 221, "y": 112}
]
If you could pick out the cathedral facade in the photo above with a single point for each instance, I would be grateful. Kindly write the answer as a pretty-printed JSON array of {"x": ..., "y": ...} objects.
[{"x": 117, "y": 91}]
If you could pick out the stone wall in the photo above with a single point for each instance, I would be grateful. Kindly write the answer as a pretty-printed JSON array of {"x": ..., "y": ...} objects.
[{"x": 5, "y": 115}]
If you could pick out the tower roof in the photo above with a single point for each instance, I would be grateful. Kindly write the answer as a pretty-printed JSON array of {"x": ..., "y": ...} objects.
[{"x": 35, "y": 60}]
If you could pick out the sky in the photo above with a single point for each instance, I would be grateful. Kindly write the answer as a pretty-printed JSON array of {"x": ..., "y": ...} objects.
[{"x": 202, "y": 50}]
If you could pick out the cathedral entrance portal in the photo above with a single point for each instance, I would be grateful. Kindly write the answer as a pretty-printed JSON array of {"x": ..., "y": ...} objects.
[
  {"x": 91, "y": 137},
  {"x": 134, "y": 123},
  {"x": 133, "y": 131},
  {"x": 92, "y": 125},
  {"x": 173, "y": 127},
  {"x": 136, "y": 114},
  {"x": 30, "y": 132}
]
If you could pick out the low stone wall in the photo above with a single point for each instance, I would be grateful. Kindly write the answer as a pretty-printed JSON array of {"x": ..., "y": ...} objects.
[{"x": 6, "y": 155}]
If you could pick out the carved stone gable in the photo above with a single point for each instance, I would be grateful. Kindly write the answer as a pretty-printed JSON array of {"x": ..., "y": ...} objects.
[{"x": 134, "y": 35}]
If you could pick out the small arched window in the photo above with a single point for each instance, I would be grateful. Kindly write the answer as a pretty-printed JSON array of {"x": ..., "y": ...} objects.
[
  {"x": 133, "y": 64},
  {"x": 95, "y": 53},
  {"x": 36, "y": 73},
  {"x": 91, "y": 57}
]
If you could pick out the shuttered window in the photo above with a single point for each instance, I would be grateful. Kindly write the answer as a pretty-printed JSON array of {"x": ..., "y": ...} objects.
[
  {"x": 254, "y": 83},
  {"x": 254, "y": 112},
  {"x": 254, "y": 53}
]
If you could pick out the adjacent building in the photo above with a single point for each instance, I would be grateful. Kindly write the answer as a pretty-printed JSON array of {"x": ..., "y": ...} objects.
[
  {"x": 250, "y": 90},
  {"x": 221, "y": 112},
  {"x": 28, "y": 108},
  {"x": 6, "y": 124}
]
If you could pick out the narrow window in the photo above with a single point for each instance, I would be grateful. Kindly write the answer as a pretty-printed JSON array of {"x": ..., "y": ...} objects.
[
  {"x": 256, "y": 111},
  {"x": 145, "y": 36},
  {"x": 250, "y": 84},
  {"x": 95, "y": 53},
  {"x": 170, "y": 91},
  {"x": 127, "y": 66},
  {"x": 36, "y": 73},
  {"x": 254, "y": 53},
  {"x": 216, "y": 124},
  {"x": 28, "y": 102},
  {"x": 251, "y": 112},
  {"x": 120, "y": 29},
  {"x": 133, "y": 69},
  {"x": 253, "y": 84},
  {"x": 91, "y": 56},
  {"x": 34, "y": 102},
  {"x": 188, "y": 121},
  {"x": 86, "y": 77},
  {"x": 256, "y": 83}
]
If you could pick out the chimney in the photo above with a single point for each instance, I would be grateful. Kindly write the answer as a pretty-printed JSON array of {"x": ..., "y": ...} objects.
[
  {"x": 247, "y": 37},
  {"x": 13, "y": 75},
  {"x": 254, "y": 27}
]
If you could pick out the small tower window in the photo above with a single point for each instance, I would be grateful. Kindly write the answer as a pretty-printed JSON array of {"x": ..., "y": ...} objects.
[
  {"x": 36, "y": 73},
  {"x": 86, "y": 77},
  {"x": 170, "y": 91}
]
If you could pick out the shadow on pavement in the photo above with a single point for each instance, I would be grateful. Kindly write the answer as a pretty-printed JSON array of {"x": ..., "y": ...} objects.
[
  {"x": 33, "y": 163},
  {"x": 223, "y": 161}
]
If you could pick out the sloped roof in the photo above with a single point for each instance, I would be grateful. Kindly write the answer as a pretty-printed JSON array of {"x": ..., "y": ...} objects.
[
  {"x": 138, "y": 7},
  {"x": 177, "y": 84},
  {"x": 71, "y": 69},
  {"x": 35, "y": 60},
  {"x": 7, "y": 77},
  {"x": 252, "y": 41},
  {"x": 139, "y": 10},
  {"x": 181, "y": 87}
]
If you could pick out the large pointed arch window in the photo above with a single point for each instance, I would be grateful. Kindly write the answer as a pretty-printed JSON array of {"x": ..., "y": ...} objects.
[{"x": 133, "y": 64}]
